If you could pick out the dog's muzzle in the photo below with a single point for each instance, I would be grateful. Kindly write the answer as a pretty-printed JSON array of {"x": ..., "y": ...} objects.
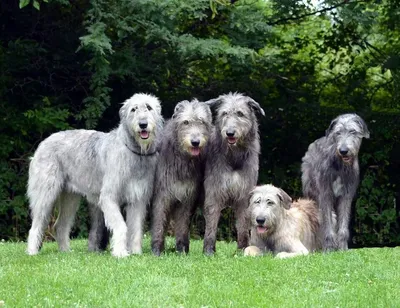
[
  {"x": 261, "y": 228},
  {"x": 144, "y": 133},
  {"x": 345, "y": 155},
  {"x": 230, "y": 136},
  {"x": 195, "y": 148}
]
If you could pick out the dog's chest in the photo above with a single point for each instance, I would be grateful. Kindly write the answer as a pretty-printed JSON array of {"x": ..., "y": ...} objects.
[
  {"x": 183, "y": 190},
  {"x": 234, "y": 183},
  {"x": 338, "y": 187}
]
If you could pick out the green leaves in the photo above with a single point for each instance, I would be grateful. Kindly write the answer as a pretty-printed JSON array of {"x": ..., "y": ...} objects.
[
  {"x": 35, "y": 3},
  {"x": 23, "y": 3}
]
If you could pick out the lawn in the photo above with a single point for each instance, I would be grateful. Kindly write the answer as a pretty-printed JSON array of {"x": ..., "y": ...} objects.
[{"x": 356, "y": 278}]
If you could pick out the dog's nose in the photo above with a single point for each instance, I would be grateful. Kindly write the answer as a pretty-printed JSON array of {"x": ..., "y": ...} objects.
[
  {"x": 195, "y": 142},
  {"x": 230, "y": 132},
  {"x": 343, "y": 151},
  {"x": 142, "y": 124},
  {"x": 260, "y": 220}
]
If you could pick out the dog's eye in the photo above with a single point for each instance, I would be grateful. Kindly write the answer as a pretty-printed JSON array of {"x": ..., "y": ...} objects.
[
  {"x": 257, "y": 200},
  {"x": 240, "y": 114},
  {"x": 133, "y": 109},
  {"x": 270, "y": 203},
  {"x": 186, "y": 122},
  {"x": 353, "y": 132},
  {"x": 149, "y": 108},
  {"x": 224, "y": 113}
]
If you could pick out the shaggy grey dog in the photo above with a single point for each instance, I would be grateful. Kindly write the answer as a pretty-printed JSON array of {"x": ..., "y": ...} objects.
[
  {"x": 109, "y": 169},
  {"x": 330, "y": 176},
  {"x": 180, "y": 172},
  {"x": 280, "y": 226},
  {"x": 232, "y": 164}
]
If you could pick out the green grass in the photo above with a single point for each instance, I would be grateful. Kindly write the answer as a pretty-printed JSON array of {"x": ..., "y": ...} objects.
[{"x": 356, "y": 278}]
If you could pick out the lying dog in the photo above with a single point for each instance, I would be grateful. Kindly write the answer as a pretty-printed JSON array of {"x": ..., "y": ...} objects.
[{"x": 280, "y": 226}]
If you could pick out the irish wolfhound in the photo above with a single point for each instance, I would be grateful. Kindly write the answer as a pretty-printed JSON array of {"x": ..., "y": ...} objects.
[
  {"x": 232, "y": 164},
  {"x": 279, "y": 226},
  {"x": 109, "y": 169},
  {"x": 330, "y": 175},
  {"x": 179, "y": 172}
]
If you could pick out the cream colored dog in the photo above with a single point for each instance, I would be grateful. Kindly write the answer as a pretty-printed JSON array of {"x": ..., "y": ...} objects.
[{"x": 280, "y": 226}]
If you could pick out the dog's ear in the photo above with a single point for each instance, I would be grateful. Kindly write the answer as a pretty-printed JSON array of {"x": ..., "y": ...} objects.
[
  {"x": 255, "y": 106},
  {"x": 363, "y": 126},
  {"x": 122, "y": 111},
  {"x": 285, "y": 199},
  {"x": 179, "y": 107},
  {"x": 331, "y": 127},
  {"x": 214, "y": 103}
]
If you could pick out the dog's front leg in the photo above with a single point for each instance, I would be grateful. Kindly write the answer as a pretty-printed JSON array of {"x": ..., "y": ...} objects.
[
  {"x": 135, "y": 215},
  {"x": 295, "y": 248},
  {"x": 212, "y": 214},
  {"x": 343, "y": 219},
  {"x": 242, "y": 225},
  {"x": 161, "y": 210},
  {"x": 115, "y": 222},
  {"x": 325, "y": 203}
]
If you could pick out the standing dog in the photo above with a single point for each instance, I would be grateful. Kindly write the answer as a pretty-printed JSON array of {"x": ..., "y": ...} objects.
[
  {"x": 232, "y": 164},
  {"x": 279, "y": 226},
  {"x": 180, "y": 172},
  {"x": 109, "y": 169},
  {"x": 330, "y": 176}
]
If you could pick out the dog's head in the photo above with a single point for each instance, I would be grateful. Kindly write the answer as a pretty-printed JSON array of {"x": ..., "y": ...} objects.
[
  {"x": 141, "y": 115},
  {"x": 266, "y": 206},
  {"x": 347, "y": 131},
  {"x": 235, "y": 116},
  {"x": 192, "y": 125}
]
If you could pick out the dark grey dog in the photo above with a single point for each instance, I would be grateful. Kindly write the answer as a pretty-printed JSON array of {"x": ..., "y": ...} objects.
[
  {"x": 179, "y": 172},
  {"x": 232, "y": 164},
  {"x": 330, "y": 176}
]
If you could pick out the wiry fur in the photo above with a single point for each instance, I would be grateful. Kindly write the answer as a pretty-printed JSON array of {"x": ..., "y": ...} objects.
[
  {"x": 231, "y": 168},
  {"x": 109, "y": 169},
  {"x": 330, "y": 175},
  {"x": 279, "y": 226},
  {"x": 180, "y": 172}
]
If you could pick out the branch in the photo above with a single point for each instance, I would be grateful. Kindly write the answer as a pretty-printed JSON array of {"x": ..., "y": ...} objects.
[{"x": 327, "y": 9}]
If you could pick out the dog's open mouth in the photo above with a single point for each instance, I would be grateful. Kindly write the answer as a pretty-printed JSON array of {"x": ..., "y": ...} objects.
[
  {"x": 261, "y": 229},
  {"x": 346, "y": 159},
  {"x": 195, "y": 151},
  {"x": 144, "y": 134},
  {"x": 232, "y": 140}
]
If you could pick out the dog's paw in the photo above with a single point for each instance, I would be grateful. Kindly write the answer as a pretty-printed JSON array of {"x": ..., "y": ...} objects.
[
  {"x": 284, "y": 255},
  {"x": 252, "y": 251},
  {"x": 120, "y": 253},
  {"x": 32, "y": 252}
]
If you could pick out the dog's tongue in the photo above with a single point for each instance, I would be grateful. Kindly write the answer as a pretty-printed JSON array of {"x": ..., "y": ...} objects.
[
  {"x": 261, "y": 229},
  {"x": 144, "y": 134},
  {"x": 195, "y": 151},
  {"x": 231, "y": 140}
]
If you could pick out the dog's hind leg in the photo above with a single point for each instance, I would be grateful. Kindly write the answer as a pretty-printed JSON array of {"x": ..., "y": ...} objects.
[
  {"x": 44, "y": 187},
  {"x": 68, "y": 206},
  {"x": 98, "y": 234}
]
